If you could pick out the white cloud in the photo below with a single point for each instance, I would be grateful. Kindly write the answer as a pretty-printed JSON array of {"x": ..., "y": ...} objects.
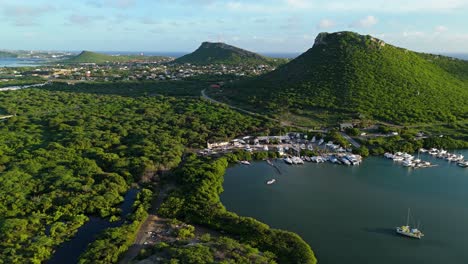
[
  {"x": 396, "y": 6},
  {"x": 82, "y": 20},
  {"x": 430, "y": 41},
  {"x": 411, "y": 34},
  {"x": 326, "y": 24},
  {"x": 122, "y": 4},
  {"x": 440, "y": 29},
  {"x": 246, "y": 7},
  {"x": 298, "y": 4},
  {"x": 26, "y": 15},
  {"x": 365, "y": 22}
]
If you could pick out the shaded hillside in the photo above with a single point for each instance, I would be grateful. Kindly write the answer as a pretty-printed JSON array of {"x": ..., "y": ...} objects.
[
  {"x": 363, "y": 76},
  {"x": 220, "y": 53},
  {"x": 93, "y": 57}
]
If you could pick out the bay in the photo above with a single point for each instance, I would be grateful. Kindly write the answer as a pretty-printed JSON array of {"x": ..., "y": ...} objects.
[
  {"x": 349, "y": 214},
  {"x": 16, "y": 62}
]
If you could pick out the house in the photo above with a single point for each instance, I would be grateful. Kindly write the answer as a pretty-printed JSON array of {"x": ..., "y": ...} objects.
[
  {"x": 344, "y": 126},
  {"x": 215, "y": 86},
  {"x": 217, "y": 145}
]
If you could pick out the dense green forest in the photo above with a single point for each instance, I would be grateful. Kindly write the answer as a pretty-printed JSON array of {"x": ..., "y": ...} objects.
[
  {"x": 184, "y": 88},
  {"x": 197, "y": 201},
  {"x": 221, "y": 53},
  {"x": 69, "y": 155},
  {"x": 93, "y": 57},
  {"x": 211, "y": 250},
  {"x": 360, "y": 76}
]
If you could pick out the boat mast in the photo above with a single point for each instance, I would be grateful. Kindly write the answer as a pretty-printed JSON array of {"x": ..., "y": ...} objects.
[{"x": 407, "y": 218}]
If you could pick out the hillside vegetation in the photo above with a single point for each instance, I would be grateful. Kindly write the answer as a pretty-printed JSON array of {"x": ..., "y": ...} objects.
[
  {"x": 363, "y": 77},
  {"x": 93, "y": 57},
  {"x": 220, "y": 53}
]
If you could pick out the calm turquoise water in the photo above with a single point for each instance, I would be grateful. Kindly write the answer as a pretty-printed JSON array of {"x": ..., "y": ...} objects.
[
  {"x": 348, "y": 214},
  {"x": 14, "y": 62}
]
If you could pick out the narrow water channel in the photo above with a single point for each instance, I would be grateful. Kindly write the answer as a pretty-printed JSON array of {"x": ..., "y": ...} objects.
[{"x": 70, "y": 251}]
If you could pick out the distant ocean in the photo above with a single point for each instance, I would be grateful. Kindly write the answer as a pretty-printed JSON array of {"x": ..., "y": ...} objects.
[
  {"x": 180, "y": 54},
  {"x": 463, "y": 56},
  {"x": 291, "y": 55},
  {"x": 13, "y": 62}
]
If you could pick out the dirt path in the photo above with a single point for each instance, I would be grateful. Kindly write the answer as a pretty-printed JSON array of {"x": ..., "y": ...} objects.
[{"x": 148, "y": 225}]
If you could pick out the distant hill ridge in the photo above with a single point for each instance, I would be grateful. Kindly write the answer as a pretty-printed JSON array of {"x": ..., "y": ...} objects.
[
  {"x": 94, "y": 57},
  {"x": 6, "y": 54},
  {"x": 221, "y": 53},
  {"x": 351, "y": 73}
]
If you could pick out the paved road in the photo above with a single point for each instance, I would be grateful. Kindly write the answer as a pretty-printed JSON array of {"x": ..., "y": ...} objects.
[
  {"x": 204, "y": 96},
  {"x": 352, "y": 141},
  {"x": 5, "y": 117},
  {"x": 19, "y": 87}
]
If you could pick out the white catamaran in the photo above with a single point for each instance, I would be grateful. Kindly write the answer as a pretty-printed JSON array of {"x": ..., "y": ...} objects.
[{"x": 408, "y": 231}]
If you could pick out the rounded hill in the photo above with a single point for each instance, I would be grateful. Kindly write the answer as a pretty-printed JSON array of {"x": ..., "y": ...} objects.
[
  {"x": 358, "y": 75},
  {"x": 221, "y": 53}
]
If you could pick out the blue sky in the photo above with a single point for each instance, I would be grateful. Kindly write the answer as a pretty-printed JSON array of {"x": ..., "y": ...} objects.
[{"x": 261, "y": 25}]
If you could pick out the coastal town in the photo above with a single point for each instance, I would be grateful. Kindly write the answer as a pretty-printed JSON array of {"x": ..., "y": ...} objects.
[{"x": 162, "y": 70}]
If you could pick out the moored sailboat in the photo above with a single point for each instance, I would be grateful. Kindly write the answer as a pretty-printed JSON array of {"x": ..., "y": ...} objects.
[{"x": 408, "y": 231}]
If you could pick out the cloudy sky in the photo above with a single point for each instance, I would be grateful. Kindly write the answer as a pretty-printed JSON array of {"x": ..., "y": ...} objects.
[{"x": 260, "y": 25}]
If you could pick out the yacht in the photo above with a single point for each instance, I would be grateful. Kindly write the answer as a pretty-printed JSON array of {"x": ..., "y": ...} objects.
[
  {"x": 463, "y": 164},
  {"x": 408, "y": 163},
  {"x": 408, "y": 231},
  {"x": 333, "y": 159},
  {"x": 345, "y": 161},
  {"x": 297, "y": 160},
  {"x": 288, "y": 160},
  {"x": 245, "y": 162},
  {"x": 271, "y": 181},
  {"x": 353, "y": 159}
]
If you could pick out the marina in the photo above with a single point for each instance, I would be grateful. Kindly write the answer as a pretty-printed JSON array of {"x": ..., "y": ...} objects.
[
  {"x": 411, "y": 161},
  {"x": 350, "y": 213},
  {"x": 293, "y": 148}
]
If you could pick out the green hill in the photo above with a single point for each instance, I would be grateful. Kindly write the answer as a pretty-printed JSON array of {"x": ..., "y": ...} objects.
[
  {"x": 220, "y": 53},
  {"x": 6, "y": 54},
  {"x": 361, "y": 76},
  {"x": 93, "y": 57}
]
